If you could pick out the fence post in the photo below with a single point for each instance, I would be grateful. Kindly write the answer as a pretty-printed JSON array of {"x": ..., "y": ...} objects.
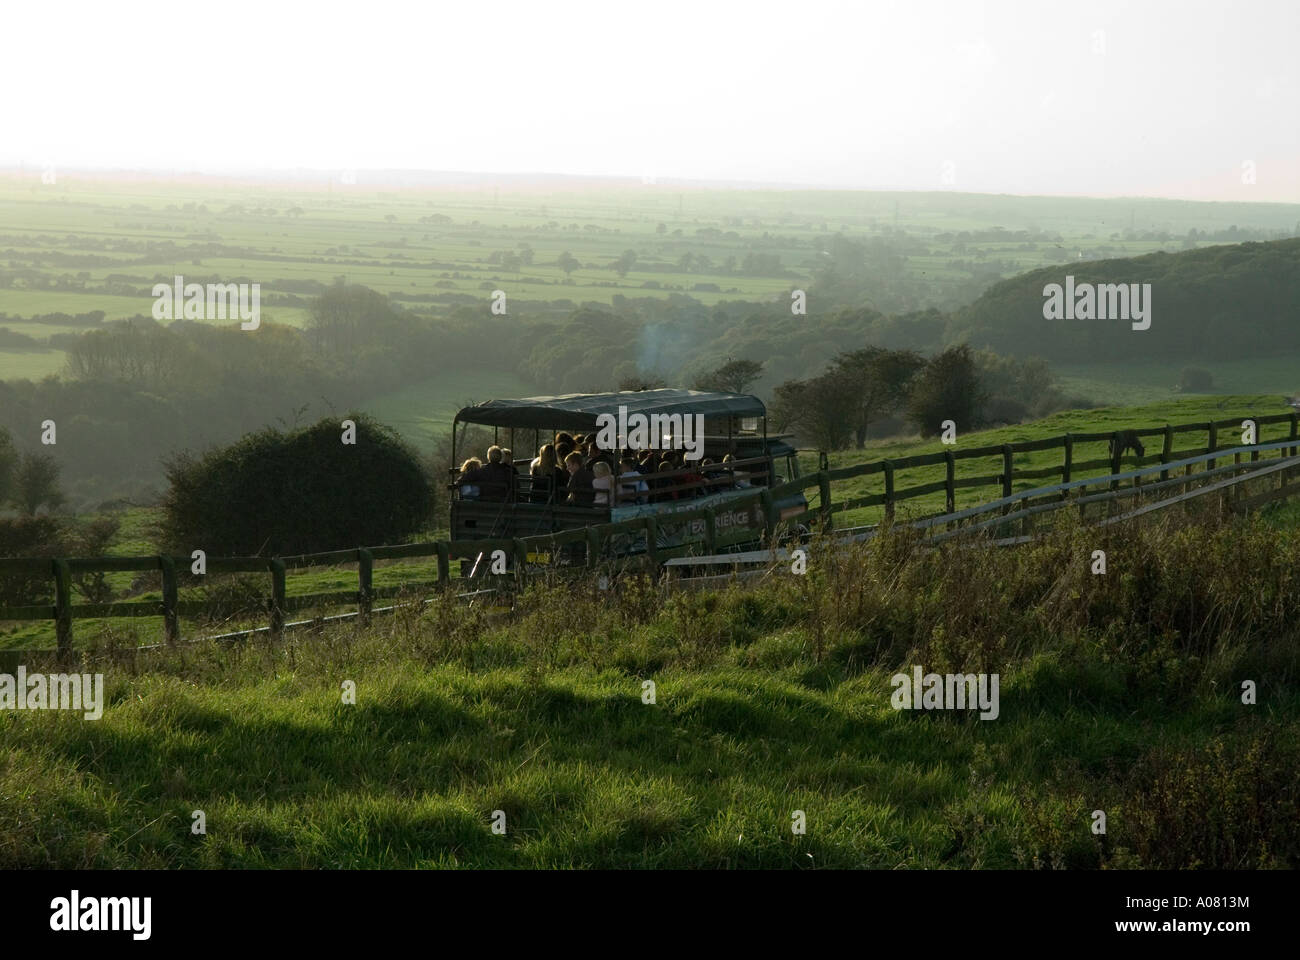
[
  {"x": 824, "y": 493},
  {"x": 710, "y": 532},
  {"x": 1007, "y": 454},
  {"x": 1295, "y": 421},
  {"x": 1117, "y": 454},
  {"x": 444, "y": 561},
  {"x": 1068, "y": 465},
  {"x": 1214, "y": 445},
  {"x": 593, "y": 545},
  {"x": 171, "y": 625},
  {"x": 63, "y": 608},
  {"x": 521, "y": 561},
  {"x": 277, "y": 598},
  {"x": 1167, "y": 450},
  {"x": 768, "y": 508},
  {"x": 950, "y": 481},
  {"x": 888, "y": 467},
  {"x": 365, "y": 584},
  {"x": 652, "y": 541},
  {"x": 1254, "y": 454}
]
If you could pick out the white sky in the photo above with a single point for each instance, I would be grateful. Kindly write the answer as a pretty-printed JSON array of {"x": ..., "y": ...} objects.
[{"x": 1170, "y": 99}]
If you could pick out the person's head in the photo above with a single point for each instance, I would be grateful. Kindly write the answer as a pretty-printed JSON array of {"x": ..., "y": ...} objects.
[
  {"x": 494, "y": 454},
  {"x": 573, "y": 462},
  {"x": 647, "y": 455},
  {"x": 590, "y": 441},
  {"x": 546, "y": 457},
  {"x": 627, "y": 465},
  {"x": 507, "y": 456},
  {"x": 706, "y": 462},
  {"x": 563, "y": 438},
  {"x": 600, "y": 468},
  {"x": 665, "y": 466},
  {"x": 563, "y": 449},
  {"x": 728, "y": 459},
  {"x": 473, "y": 463}
]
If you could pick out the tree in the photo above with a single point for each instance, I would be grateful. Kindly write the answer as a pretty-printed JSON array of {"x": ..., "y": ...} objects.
[
  {"x": 8, "y": 465},
  {"x": 877, "y": 380},
  {"x": 567, "y": 262},
  {"x": 947, "y": 388},
  {"x": 734, "y": 376},
  {"x": 347, "y": 316},
  {"x": 625, "y": 262},
  {"x": 36, "y": 484},
  {"x": 819, "y": 410}
]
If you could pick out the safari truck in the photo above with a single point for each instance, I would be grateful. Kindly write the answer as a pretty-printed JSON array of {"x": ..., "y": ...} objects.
[{"x": 709, "y": 425}]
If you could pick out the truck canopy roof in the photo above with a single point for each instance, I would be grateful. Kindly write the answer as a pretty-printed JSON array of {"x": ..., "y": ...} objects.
[{"x": 580, "y": 410}]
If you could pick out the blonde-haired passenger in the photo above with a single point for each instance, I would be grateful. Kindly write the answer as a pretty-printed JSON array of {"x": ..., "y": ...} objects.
[
  {"x": 469, "y": 491},
  {"x": 602, "y": 482}
]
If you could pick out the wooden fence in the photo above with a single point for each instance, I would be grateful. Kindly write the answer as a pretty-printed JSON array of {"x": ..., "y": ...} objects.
[{"x": 820, "y": 511}]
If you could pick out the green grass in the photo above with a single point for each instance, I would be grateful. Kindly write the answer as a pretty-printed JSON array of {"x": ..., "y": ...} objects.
[
  {"x": 1185, "y": 409},
  {"x": 30, "y": 364},
  {"x": 423, "y": 412},
  {"x": 1133, "y": 384},
  {"x": 403, "y": 410},
  {"x": 768, "y": 701}
]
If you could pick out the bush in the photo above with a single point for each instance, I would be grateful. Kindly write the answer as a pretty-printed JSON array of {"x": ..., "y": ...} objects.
[
  {"x": 275, "y": 493},
  {"x": 39, "y": 537}
]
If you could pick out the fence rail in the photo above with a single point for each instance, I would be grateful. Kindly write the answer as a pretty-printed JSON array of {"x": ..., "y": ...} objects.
[{"x": 820, "y": 511}]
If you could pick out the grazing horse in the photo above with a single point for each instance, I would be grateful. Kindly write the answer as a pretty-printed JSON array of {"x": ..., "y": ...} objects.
[{"x": 1127, "y": 440}]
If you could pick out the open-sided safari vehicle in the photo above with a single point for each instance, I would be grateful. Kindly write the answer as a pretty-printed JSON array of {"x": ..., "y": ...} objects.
[{"x": 683, "y": 504}]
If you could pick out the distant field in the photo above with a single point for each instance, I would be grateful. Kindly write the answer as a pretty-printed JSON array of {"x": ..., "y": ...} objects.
[
  {"x": 30, "y": 364},
  {"x": 1141, "y": 383},
  {"x": 422, "y": 413},
  {"x": 70, "y": 242}
]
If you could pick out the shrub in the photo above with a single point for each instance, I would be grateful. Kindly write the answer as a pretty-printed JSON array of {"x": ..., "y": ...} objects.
[{"x": 275, "y": 493}]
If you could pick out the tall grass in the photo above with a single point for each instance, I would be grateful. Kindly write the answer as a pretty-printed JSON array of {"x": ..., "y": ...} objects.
[{"x": 1120, "y": 692}]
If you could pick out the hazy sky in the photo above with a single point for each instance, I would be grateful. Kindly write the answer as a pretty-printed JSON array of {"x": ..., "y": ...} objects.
[{"x": 1150, "y": 98}]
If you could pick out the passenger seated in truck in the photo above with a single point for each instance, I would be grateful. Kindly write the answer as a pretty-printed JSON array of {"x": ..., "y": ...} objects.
[
  {"x": 581, "y": 493},
  {"x": 742, "y": 478},
  {"x": 495, "y": 479},
  {"x": 548, "y": 478},
  {"x": 602, "y": 482},
  {"x": 631, "y": 487},
  {"x": 469, "y": 491},
  {"x": 663, "y": 495}
]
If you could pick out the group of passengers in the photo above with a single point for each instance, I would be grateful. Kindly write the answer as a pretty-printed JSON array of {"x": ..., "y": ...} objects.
[{"x": 575, "y": 471}]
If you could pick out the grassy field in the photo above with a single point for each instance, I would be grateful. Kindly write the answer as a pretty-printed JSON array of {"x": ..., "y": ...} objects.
[
  {"x": 768, "y": 702},
  {"x": 1137, "y": 384},
  {"x": 422, "y": 413},
  {"x": 134, "y": 540},
  {"x": 1188, "y": 409}
]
